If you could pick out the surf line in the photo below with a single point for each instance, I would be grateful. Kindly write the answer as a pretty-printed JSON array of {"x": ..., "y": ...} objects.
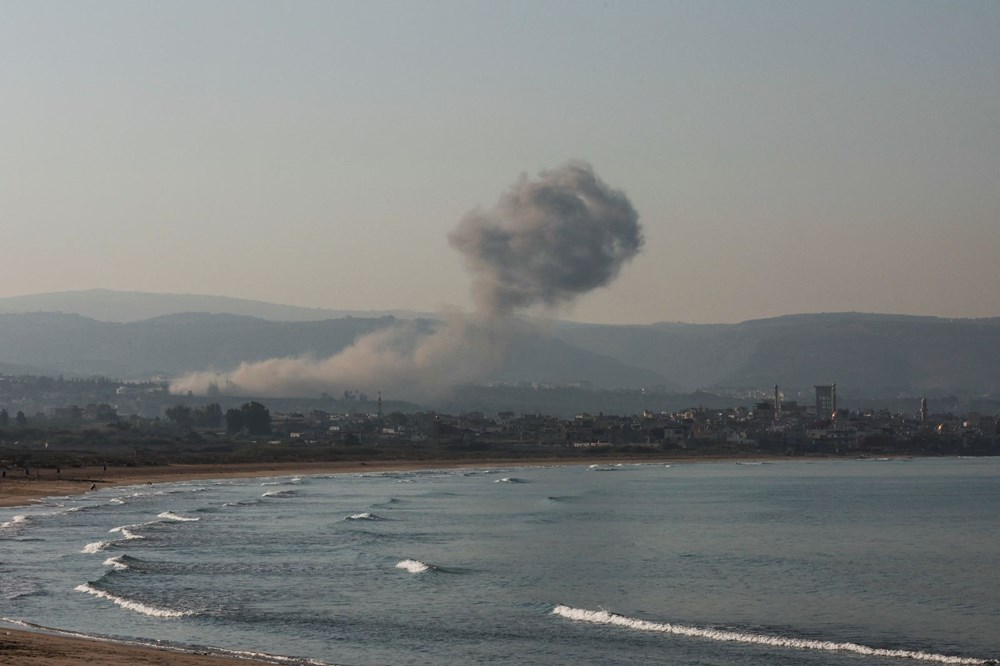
[{"x": 604, "y": 617}]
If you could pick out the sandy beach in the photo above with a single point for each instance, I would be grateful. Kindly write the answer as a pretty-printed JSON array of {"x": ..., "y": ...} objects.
[
  {"x": 19, "y": 489},
  {"x": 30, "y": 648}
]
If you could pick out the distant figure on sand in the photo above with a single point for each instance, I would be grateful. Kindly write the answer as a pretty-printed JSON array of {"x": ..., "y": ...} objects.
[{"x": 93, "y": 486}]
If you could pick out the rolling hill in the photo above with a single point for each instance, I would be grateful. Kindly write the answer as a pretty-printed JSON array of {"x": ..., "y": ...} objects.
[{"x": 865, "y": 354}]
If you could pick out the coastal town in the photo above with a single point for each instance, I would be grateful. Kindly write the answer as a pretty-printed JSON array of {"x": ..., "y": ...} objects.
[{"x": 46, "y": 422}]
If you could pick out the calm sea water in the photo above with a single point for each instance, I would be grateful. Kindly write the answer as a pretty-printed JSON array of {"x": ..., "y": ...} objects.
[{"x": 847, "y": 562}]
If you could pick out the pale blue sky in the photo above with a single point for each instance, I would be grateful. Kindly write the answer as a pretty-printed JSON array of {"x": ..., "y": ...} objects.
[{"x": 783, "y": 156}]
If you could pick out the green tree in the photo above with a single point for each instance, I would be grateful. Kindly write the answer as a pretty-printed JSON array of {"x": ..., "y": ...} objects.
[
  {"x": 256, "y": 418},
  {"x": 21, "y": 419},
  {"x": 4, "y": 418},
  {"x": 180, "y": 414},
  {"x": 234, "y": 421},
  {"x": 211, "y": 416}
]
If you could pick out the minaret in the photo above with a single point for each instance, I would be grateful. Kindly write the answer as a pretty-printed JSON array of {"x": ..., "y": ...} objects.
[
  {"x": 777, "y": 403},
  {"x": 923, "y": 409},
  {"x": 380, "y": 405}
]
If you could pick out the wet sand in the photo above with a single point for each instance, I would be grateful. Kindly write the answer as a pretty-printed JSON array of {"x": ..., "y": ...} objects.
[
  {"x": 20, "y": 489},
  {"x": 30, "y": 648}
]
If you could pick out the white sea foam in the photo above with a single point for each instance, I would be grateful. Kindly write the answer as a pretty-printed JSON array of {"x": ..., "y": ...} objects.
[
  {"x": 128, "y": 604},
  {"x": 508, "y": 479},
  {"x": 117, "y": 563},
  {"x": 170, "y": 515},
  {"x": 604, "y": 617},
  {"x": 413, "y": 566},
  {"x": 95, "y": 547},
  {"x": 270, "y": 658},
  {"x": 363, "y": 516},
  {"x": 126, "y": 531},
  {"x": 14, "y": 522},
  {"x": 278, "y": 493}
]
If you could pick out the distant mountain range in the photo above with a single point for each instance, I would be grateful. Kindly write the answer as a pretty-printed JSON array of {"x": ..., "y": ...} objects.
[
  {"x": 126, "y": 306},
  {"x": 135, "y": 335}
]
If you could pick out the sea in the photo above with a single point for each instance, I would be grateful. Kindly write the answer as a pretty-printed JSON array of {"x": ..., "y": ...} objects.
[{"x": 843, "y": 562}]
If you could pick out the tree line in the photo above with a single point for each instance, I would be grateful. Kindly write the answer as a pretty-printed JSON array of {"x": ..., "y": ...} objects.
[{"x": 251, "y": 417}]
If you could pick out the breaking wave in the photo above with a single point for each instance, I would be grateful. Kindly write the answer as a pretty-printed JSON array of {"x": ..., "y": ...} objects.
[
  {"x": 127, "y": 535},
  {"x": 128, "y": 604},
  {"x": 604, "y": 617},
  {"x": 414, "y": 566},
  {"x": 95, "y": 547},
  {"x": 509, "y": 479},
  {"x": 363, "y": 516},
  {"x": 170, "y": 515},
  {"x": 14, "y": 522},
  {"x": 126, "y": 531},
  {"x": 118, "y": 563},
  {"x": 278, "y": 493}
]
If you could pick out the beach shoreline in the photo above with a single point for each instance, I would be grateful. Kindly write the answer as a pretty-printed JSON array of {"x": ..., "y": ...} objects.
[
  {"x": 41, "y": 647},
  {"x": 32, "y": 488},
  {"x": 35, "y": 646}
]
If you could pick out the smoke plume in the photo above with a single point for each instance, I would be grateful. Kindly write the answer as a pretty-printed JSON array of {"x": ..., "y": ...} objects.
[
  {"x": 405, "y": 359},
  {"x": 546, "y": 242}
]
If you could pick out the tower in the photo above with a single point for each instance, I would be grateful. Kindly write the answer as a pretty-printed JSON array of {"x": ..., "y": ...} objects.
[
  {"x": 380, "y": 404},
  {"x": 826, "y": 401},
  {"x": 777, "y": 403},
  {"x": 923, "y": 409}
]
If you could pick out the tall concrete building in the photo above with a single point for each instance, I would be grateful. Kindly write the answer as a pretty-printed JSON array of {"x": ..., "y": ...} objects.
[{"x": 826, "y": 401}]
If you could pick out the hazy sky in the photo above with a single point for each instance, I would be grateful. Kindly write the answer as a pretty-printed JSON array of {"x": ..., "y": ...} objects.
[{"x": 783, "y": 156}]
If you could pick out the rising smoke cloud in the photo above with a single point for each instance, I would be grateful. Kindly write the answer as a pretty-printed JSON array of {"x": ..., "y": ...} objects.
[{"x": 546, "y": 242}]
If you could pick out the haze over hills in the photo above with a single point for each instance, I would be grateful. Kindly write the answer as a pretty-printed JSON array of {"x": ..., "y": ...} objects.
[
  {"x": 871, "y": 354},
  {"x": 167, "y": 346},
  {"x": 865, "y": 354},
  {"x": 127, "y": 306}
]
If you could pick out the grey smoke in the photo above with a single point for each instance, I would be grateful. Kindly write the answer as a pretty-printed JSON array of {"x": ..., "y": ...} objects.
[
  {"x": 546, "y": 242},
  {"x": 404, "y": 360}
]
